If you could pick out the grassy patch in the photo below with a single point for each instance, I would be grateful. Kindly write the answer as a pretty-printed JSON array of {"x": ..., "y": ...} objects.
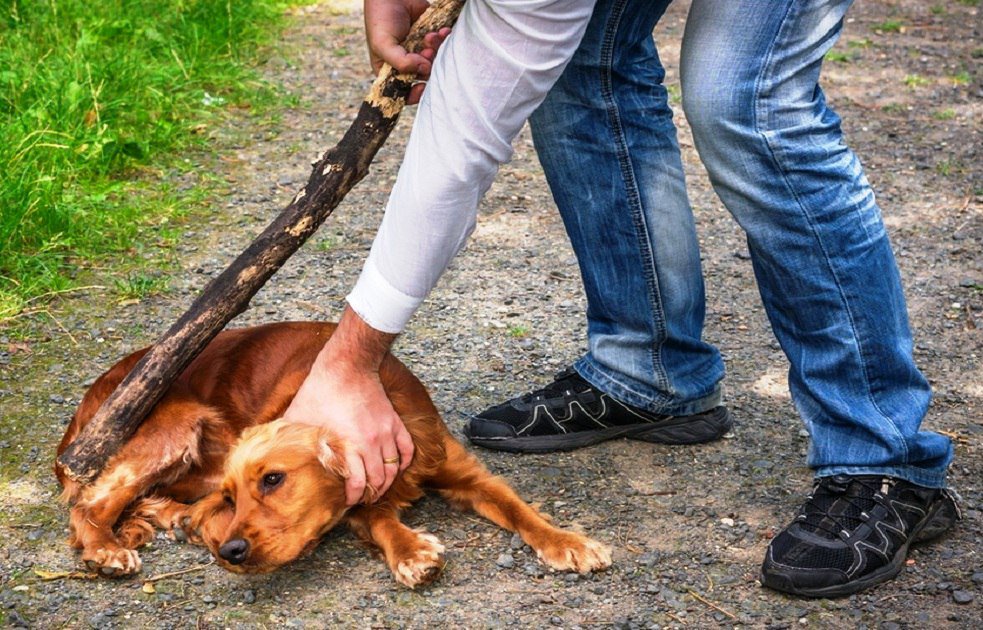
[
  {"x": 948, "y": 167},
  {"x": 838, "y": 56},
  {"x": 139, "y": 285},
  {"x": 888, "y": 26},
  {"x": 97, "y": 98},
  {"x": 960, "y": 78},
  {"x": 518, "y": 331},
  {"x": 916, "y": 81}
]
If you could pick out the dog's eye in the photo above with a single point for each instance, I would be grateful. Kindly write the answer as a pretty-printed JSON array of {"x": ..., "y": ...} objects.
[
  {"x": 272, "y": 480},
  {"x": 228, "y": 500}
]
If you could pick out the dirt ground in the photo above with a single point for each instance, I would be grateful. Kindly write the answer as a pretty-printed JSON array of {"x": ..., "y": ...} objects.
[{"x": 689, "y": 525}]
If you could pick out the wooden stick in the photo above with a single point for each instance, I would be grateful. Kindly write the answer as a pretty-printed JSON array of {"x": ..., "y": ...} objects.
[
  {"x": 706, "y": 601},
  {"x": 164, "y": 576},
  {"x": 334, "y": 174}
]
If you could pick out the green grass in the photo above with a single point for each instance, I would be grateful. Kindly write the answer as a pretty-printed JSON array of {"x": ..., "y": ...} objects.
[
  {"x": 97, "y": 99},
  {"x": 137, "y": 285},
  {"x": 960, "y": 78},
  {"x": 916, "y": 81},
  {"x": 518, "y": 331},
  {"x": 888, "y": 26},
  {"x": 948, "y": 167},
  {"x": 837, "y": 56},
  {"x": 860, "y": 43}
]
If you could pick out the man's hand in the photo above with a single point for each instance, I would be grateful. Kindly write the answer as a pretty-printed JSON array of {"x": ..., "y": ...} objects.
[
  {"x": 343, "y": 392},
  {"x": 387, "y": 23}
]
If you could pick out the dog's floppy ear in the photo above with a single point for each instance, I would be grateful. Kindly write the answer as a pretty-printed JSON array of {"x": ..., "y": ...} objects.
[{"x": 331, "y": 453}]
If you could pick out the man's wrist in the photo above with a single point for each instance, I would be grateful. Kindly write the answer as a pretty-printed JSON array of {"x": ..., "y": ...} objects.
[{"x": 358, "y": 344}]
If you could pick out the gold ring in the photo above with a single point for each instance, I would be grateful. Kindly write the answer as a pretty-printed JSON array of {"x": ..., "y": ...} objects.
[{"x": 391, "y": 460}]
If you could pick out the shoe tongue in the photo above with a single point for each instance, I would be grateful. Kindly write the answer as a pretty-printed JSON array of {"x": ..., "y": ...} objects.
[
  {"x": 567, "y": 380},
  {"x": 839, "y": 503}
]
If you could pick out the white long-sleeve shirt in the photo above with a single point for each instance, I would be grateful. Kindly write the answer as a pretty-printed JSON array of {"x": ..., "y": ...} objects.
[{"x": 491, "y": 74}]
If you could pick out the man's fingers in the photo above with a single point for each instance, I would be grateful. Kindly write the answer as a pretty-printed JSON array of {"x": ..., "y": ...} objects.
[
  {"x": 375, "y": 475},
  {"x": 416, "y": 93},
  {"x": 434, "y": 39},
  {"x": 405, "y": 445},
  {"x": 355, "y": 483},
  {"x": 416, "y": 8},
  {"x": 396, "y": 56},
  {"x": 390, "y": 464}
]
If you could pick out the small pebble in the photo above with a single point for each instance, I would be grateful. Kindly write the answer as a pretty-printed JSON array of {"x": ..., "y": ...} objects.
[
  {"x": 506, "y": 561},
  {"x": 962, "y": 597},
  {"x": 249, "y": 597}
]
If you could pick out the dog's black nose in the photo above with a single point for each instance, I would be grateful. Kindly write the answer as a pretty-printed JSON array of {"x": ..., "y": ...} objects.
[{"x": 234, "y": 551}]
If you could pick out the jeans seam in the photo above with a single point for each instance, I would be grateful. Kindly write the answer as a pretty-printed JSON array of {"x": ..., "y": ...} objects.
[
  {"x": 634, "y": 199},
  {"x": 767, "y": 66}
]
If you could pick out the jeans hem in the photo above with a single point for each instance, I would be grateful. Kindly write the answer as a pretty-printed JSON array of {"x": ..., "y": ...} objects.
[
  {"x": 651, "y": 401},
  {"x": 918, "y": 476}
]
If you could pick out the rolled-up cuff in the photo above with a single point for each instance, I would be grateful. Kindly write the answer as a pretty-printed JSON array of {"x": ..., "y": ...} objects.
[{"x": 380, "y": 304}]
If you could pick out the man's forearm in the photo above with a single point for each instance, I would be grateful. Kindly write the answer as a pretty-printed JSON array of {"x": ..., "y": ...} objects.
[{"x": 357, "y": 344}]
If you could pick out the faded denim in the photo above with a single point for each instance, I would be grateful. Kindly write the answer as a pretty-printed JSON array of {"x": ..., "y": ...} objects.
[{"x": 776, "y": 157}]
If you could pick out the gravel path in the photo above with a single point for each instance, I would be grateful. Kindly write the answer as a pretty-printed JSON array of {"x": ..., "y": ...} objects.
[{"x": 689, "y": 524}]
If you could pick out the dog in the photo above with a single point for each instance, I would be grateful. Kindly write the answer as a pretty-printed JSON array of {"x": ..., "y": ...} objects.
[{"x": 214, "y": 463}]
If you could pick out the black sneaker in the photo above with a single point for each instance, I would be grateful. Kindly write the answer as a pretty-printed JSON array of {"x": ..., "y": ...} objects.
[
  {"x": 570, "y": 413},
  {"x": 854, "y": 532}
]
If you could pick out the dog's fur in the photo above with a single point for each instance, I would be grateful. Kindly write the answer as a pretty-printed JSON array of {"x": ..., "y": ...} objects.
[{"x": 212, "y": 461}]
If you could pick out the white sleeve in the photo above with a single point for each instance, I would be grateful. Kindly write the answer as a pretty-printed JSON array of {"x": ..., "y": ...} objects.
[{"x": 490, "y": 75}]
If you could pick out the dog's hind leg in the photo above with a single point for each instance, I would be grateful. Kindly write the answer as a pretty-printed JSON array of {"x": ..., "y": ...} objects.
[
  {"x": 165, "y": 446},
  {"x": 414, "y": 557},
  {"x": 465, "y": 482}
]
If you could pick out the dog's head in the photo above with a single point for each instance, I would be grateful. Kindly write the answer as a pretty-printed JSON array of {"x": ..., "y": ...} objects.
[{"x": 284, "y": 487}]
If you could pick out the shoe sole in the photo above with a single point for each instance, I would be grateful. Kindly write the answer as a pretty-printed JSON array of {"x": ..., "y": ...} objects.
[
  {"x": 705, "y": 427},
  {"x": 943, "y": 516}
]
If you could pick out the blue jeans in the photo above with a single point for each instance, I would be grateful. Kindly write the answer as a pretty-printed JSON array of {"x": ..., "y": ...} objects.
[{"x": 776, "y": 157}]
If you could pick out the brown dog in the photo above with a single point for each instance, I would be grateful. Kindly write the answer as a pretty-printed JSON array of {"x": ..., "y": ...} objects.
[{"x": 263, "y": 499}]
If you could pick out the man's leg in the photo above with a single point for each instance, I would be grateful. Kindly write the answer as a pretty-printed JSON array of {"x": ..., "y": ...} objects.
[
  {"x": 829, "y": 282},
  {"x": 607, "y": 143}
]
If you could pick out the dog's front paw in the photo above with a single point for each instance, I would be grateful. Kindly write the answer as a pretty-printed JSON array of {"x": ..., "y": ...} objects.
[
  {"x": 112, "y": 561},
  {"x": 569, "y": 551},
  {"x": 420, "y": 564},
  {"x": 183, "y": 530}
]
